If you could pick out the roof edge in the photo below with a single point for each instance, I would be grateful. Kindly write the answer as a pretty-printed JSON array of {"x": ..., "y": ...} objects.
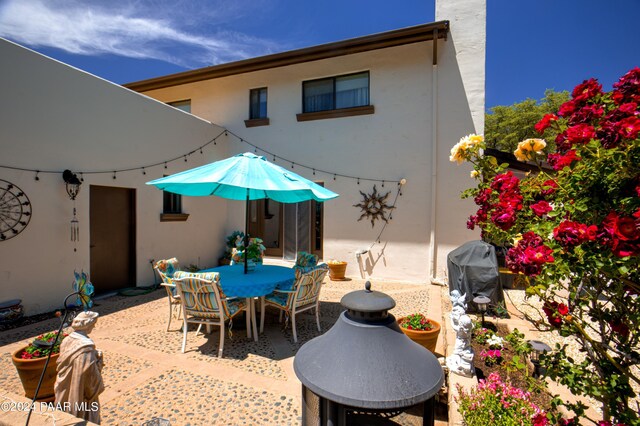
[{"x": 415, "y": 34}]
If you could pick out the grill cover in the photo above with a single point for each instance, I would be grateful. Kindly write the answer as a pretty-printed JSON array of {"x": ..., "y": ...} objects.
[{"x": 473, "y": 270}]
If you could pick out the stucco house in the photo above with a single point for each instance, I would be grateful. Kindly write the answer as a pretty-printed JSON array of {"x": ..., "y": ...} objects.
[{"x": 374, "y": 110}]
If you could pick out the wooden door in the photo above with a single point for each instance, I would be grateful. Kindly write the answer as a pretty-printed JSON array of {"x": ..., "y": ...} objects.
[
  {"x": 112, "y": 238},
  {"x": 265, "y": 222}
]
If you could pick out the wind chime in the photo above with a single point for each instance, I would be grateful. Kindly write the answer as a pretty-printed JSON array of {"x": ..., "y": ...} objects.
[{"x": 72, "y": 185}]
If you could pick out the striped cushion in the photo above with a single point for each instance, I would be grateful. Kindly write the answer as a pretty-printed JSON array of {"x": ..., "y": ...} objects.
[{"x": 279, "y": 299}]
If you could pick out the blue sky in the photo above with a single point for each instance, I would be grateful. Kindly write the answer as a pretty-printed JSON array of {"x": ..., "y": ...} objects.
[{"x": 531, "y": 45}]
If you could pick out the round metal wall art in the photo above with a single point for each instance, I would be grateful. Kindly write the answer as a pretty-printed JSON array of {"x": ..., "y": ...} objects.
[
  {"x": 374, "y": 206},
  {"x": 15, "y": 210}
]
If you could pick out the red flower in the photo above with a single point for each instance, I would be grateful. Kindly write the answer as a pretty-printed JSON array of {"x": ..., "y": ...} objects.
[
  {"x": 621, "y": 234},
  {"x": 541, "y": 208},
  {"x": 567, "y": 108},
  {"x": 586, "y": 114},
  {"x": 545, "y": 122},
  {"x": 550, "y": 309},
  {"x": 560, "y": 161},
  {"x": 609, "y": 135},
  {"x": 619, "y": 327},
  {"x": 630, "y": 108},
  {"x": 570, "y": 234},
  {"x": 550, "y": 186},
  {"x": 540, "y": 420},
  {"x": 628, "y": 87},
  {"x": 580, "y": 134},
  {"x": 504, "y": 216},
  {"x": 505, "y": 182},
  {"x": 629, "y": 127},
  {"x": 587, "y": 90},
  {"x": 529, "y": 255},
  {"x": 563, "y": 309},
  {"x": 569, "y": 422}
]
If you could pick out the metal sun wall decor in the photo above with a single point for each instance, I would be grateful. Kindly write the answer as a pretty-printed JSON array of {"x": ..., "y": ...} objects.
[
  {"x": 15, "y": 210},
  {"x": 374, "y": 206}
]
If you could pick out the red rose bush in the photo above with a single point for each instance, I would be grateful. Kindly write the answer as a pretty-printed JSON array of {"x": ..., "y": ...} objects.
[{"x": 573, "y": 228}]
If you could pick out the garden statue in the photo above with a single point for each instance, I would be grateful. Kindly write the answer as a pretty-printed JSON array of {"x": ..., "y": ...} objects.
[
  {"x": 461, "y": 361},
  {"x": 459, "y": 307},
  {"x": 79, "y": 379}
]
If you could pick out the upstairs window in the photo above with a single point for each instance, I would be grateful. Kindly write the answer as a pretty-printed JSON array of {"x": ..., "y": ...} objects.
[
  {"x": 340, "y": 92},
  {"x": 258, "y": 103}
]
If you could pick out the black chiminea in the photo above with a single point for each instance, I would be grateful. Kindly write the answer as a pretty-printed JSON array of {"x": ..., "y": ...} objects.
[{"x": 364, "y": 370}]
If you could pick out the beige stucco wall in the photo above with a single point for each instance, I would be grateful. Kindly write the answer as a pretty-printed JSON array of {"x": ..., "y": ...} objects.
[
  {"x": 396, "y": 142},
  {"x": 55, "y": 117}
]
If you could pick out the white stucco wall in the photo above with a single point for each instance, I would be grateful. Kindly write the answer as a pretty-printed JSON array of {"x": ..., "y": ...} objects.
[
  {"x": 53, "y": 118},
  {"x": 460, "y": 80},
  {"x": 393, "y": 143}
]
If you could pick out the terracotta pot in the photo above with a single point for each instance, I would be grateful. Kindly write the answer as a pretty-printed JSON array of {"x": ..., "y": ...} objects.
[
  {"x": 337, "y": 270},
  {"x": 426, "y": 338},
  {"x": 30, "y": 370}
]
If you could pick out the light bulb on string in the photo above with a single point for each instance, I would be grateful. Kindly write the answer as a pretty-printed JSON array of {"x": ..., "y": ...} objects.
[
  {"x": 165, "y": 164},
  {"x": 383, "y": 184},
  {"x": 114, "y": 175},
  {"x": 81, "y": 177},
  {"x": 143, "y": 171},
  {"x": 37, "y": 171},
  {"x": 314, "y": 172},
  {"x": 200, "y": 150},
  {"x": 185, "y": 158}
]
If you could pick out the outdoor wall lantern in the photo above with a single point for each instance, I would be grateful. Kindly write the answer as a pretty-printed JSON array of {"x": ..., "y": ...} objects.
[
  {"x": 538, "y": 348},
  {"x": 72, "y": 183},
  {"x": 483, "y": 305}
]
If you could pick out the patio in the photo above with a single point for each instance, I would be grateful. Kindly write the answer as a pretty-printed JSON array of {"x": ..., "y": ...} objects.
[{"x": 146, "y": 376}]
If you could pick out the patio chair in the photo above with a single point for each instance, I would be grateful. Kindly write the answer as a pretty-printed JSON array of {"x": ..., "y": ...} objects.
[
  {"x": 166, "y": 269},
  {"x": 204, "y": 302},
  {"x": 304, "y": 296}
]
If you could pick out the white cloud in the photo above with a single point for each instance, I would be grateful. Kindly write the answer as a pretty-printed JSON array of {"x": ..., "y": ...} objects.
[{"x": 130, "y": 29}]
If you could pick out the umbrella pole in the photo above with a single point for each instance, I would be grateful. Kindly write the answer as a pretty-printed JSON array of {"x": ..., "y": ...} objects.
[{"x": 246, "y": 231}]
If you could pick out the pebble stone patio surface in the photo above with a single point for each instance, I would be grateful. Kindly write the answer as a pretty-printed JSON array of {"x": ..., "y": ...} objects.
[{"x": 146, "y": 376}]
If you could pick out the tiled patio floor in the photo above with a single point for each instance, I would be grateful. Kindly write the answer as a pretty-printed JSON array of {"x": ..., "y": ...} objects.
[{"x": 147, "y": 376}]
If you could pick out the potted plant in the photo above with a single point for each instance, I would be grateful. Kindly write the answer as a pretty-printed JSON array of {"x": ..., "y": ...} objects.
[
  {"x": 255, "y": 252},
  {"x": 30, "y": 361},
  {"x": 337, "y": 269},
  {"x": 420, "y": 329}
]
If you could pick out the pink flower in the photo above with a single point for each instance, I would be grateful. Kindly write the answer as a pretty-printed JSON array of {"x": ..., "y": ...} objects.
[{"x": 529, "y": 255}]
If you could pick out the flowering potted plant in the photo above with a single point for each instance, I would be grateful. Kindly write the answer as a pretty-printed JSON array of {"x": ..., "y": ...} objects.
[
  {"x": 255, "y": 251},
  {"x": 420, "y": 329},
  {"x": 575, "y": 226},
  {"x": 230, "y": 245},
  {"x": 30, "y": 360}
]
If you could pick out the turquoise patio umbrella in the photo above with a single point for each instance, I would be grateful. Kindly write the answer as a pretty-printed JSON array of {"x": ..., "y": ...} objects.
[{"x": 244, "y": 177}]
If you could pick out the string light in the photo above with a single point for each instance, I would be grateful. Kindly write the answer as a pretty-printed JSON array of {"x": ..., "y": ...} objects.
[{"x": 213, "y": 141}]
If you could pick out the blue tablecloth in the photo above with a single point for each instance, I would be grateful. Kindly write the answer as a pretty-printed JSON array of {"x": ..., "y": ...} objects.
[{"x": 259, "y": 282}]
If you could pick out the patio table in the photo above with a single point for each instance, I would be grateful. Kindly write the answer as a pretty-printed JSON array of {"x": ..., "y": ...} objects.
[{"x": 258, "y": 283}]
